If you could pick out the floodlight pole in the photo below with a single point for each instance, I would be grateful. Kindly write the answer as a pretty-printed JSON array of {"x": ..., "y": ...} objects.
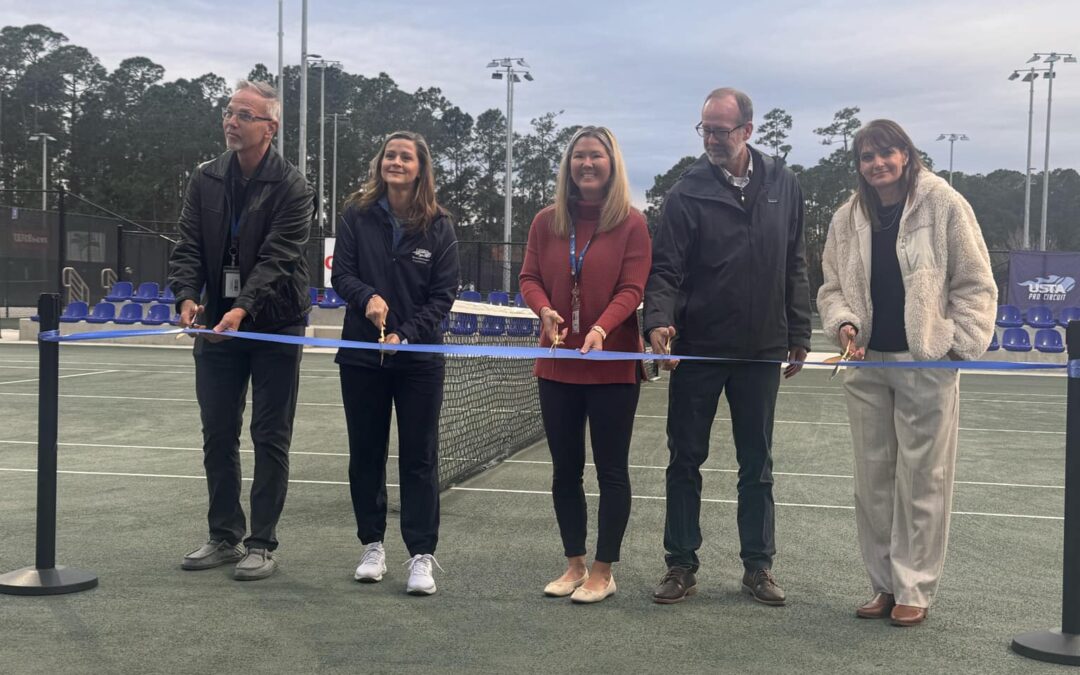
[
  {"x": 281, "y": 76},
  {"x": 952, "y": 139}
]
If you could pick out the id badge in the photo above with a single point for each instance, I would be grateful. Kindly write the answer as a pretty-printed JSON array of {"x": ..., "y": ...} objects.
[
  {"x": 575, "y": 310},
  {"x": 231, "y": 282}
]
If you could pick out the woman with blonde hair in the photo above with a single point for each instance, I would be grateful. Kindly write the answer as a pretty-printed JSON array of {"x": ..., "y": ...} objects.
[
  {"x": 396, "y": 265},
  {"x": 584, "y": 273},
  {"x": 907, "y": 277}
]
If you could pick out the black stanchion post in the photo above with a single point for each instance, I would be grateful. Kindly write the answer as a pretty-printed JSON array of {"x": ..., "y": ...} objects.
[
  {"x": 119, "y": 252},
  {"x": 1063, "y": 646},
  {"x": 45, "y": 578}
]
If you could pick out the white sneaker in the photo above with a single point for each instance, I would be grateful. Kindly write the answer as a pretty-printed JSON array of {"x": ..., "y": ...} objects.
[
  {"x": 420, "y": 580},
  {"x": 372, "y": 565}
]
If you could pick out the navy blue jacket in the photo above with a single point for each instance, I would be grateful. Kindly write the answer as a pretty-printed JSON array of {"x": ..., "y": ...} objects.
[
  {"x": 731, "y": 278},
  {"x": 418, "y": 279}
]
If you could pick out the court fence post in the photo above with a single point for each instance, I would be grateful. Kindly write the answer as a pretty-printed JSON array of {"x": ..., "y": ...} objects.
[
  {"x": 1063, "y": 645},
  {"x": 45, "y": 577}
]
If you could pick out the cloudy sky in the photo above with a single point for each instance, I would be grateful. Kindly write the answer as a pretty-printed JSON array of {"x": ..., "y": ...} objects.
[{"x": 643, "y": 68}]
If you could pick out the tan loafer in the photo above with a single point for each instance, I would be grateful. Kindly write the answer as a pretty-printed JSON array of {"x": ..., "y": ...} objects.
[
  {"x": 907, "y": 615},
  {"x": 561, "y": 589},
  {"x": 878, "y": 607},
  {"x": 582, "y": 596}
]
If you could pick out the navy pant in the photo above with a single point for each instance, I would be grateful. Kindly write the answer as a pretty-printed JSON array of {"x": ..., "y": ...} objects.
[
  {"x": 222, "y": 371},
  {"x": 416, "y": 394},
  {"x": 692, "y": 401},
  {"x": 609, "y": 409}
]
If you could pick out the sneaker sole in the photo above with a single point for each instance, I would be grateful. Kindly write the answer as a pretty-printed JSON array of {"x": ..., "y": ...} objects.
[
  {"x": 255, "y": 575},
  {"x": 421, "y": 591},
  {"x": 200, "y": 565},
  {"x": 673, "y": 601},
  {"x": 771, "y": 603},
  {"x": 369, "y": 580}
]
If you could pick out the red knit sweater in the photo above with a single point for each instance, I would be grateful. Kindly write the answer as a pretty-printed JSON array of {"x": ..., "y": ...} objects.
[{"x": 612, "y": 282}]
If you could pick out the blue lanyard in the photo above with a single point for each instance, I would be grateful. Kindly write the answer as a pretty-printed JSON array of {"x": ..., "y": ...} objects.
[{"x": 577, "y": 262}]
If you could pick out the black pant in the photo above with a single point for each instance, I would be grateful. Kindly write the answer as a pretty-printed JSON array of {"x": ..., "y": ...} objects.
[
  {"x": 609, "y": 409},
  {"x": 222, "y": 371},
  {"x": 416, "y": 394},
  {"x": 692, "y": 400}
]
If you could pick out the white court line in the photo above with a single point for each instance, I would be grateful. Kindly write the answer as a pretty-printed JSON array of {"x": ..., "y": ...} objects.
[
  {"x": 545, "y": 493},
  {"x": 538, "y": 462},
  {"x": 61, "y": 377}
]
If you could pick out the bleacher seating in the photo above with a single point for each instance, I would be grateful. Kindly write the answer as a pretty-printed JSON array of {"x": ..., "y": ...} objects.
[
  {"x": 1040, "y": 316},
  {"x": 994, "y": 346},
  {"x": 462, "y": 324},
  {"x": 519, "y": 300},
  {"x": 1015, "y": 340},
  {"x": 148, "y": 292},
  {"x": 471, "y": 296},
  {"x": 157, "y": 315},
  {"x": 75, "y": 311},
  {"x": 492, "y": 325},
  {"x": 167, "y": 296},
  {"x": 331, "y": 300},
  {"x": 129, "y": 314},
  {"x": 1068, "y": 314},
  {"x": 103, "y": 313},
  {"x": 520, "y": 326},
  {"x": 121, "y": 292},
  {"x": 1009, "y": 316},
  {"x": 314, "y": 294},
  {"x": 498, "y": 298},
  {"x": 1049, "y": 340}
]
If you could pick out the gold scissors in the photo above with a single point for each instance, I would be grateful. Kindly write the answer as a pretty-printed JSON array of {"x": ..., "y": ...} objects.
[
  {"x": 839, "y": 360},
  {"x": 382, "y": 339},
  {"x": 555, "y": 343}
]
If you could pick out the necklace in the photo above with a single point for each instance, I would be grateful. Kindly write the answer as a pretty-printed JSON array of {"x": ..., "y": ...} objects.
[{"x": 892, "y": 217}]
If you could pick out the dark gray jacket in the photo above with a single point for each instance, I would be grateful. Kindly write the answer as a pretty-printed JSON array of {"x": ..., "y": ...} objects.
[
  {"x": 731, "y": 285},
  {"x": 274, "y": 229}
]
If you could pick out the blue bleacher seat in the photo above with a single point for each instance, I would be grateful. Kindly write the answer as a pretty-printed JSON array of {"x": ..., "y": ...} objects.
[
  {"x": 130, "y": 313},
  {"x": 148, "y": 292},
  {"x": 167, "y": 296},
  {"x": 444, "y": 325},
  {"x": 103, "y": 313},
  {"x": 1049, "y": 340},
  {"x": 519, "y": 300},
  {"x": 492, "y": 325},
  {"x": 157, "y": 315},
  {"x": 471, "y": 296},
  {"x": 1068, "y": 314},
  {"x": 75, "y": 311},
  {"x": 498, "y": 298},
  {"x": 520, "y": 326},
  {"x": 331, "y": 300},
  {"x": 314, "y": 294},
  {"x": 462, "y": 324},
  {"x": 120, "y": 292},
  {"x": 1015, "y": 340},
  {"x": 994, "y": 346},
  {"x": 1009, "y": 316},
  {"x": 1040, "y": 316}
]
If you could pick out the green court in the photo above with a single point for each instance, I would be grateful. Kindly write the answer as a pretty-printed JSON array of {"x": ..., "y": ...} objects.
[{"x": 132, "y": 501}]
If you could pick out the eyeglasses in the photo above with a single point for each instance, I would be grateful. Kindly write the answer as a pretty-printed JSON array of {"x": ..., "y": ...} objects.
[
  {"x": 244, "y": 116},
  {"x": 717, "y": 133}
]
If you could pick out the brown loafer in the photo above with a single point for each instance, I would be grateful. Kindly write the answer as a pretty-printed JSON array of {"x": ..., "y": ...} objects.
[
  {"x": 906, "y": 615},
  {"x": 878, "y": 607}
]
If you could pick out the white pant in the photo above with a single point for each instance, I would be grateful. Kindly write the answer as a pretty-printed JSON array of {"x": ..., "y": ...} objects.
[{"x": 904, "y": 430}]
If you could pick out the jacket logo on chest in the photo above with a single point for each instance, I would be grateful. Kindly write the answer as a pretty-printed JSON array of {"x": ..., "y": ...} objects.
[{"x": 421, "y": 256}]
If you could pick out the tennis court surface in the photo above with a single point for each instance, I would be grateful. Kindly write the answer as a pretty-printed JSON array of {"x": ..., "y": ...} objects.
[{"x": 132, "y": 501}]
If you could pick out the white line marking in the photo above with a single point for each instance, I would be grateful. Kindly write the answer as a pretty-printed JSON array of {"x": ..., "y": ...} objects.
[{"x": 60, "y": 377}]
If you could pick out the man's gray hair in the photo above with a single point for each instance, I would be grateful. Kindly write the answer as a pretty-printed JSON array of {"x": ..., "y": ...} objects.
[
  {"x": 265, "y": 90},
  {"x": 746, "y": 107}
]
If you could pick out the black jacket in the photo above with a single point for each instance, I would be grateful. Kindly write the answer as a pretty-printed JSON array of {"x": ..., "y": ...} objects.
[
  {"x": 418, "y": 280},
  {"x": 273, "y": 231},
  {"x": 731, "y": 279}
]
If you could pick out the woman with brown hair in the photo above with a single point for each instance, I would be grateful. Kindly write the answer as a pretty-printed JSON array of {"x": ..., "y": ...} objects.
[
  {"x": 907, "y": 277},
  {"x": 584, "y": 273},
  {"x": 396, "y": 265}
]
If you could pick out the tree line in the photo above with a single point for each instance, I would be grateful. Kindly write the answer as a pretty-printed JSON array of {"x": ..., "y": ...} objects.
[{"x": 128, "y": 140}]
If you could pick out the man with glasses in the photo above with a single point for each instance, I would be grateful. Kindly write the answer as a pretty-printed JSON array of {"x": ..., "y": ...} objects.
[
  {"x": 728, "y": 280},
  {"x": 240, "y": 265}
]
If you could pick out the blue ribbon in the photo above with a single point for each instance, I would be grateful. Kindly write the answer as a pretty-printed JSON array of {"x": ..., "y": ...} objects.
[{"x": 507, "y": 352}]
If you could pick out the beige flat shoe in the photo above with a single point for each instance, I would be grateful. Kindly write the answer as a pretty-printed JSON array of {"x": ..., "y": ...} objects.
[
  {"x": 584, "y": 597},
  {"x": 561, "y": 589}
]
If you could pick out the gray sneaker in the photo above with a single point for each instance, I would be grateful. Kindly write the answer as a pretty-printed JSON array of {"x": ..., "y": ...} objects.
[
  {"x": 258, "y": 563},
  {"x": 213, "y": 553}
]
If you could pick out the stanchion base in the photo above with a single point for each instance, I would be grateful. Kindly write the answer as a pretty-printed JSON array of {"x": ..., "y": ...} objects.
[
  {"x": 53, "y": 581},
  {"x": 1049, "y": 645}
]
